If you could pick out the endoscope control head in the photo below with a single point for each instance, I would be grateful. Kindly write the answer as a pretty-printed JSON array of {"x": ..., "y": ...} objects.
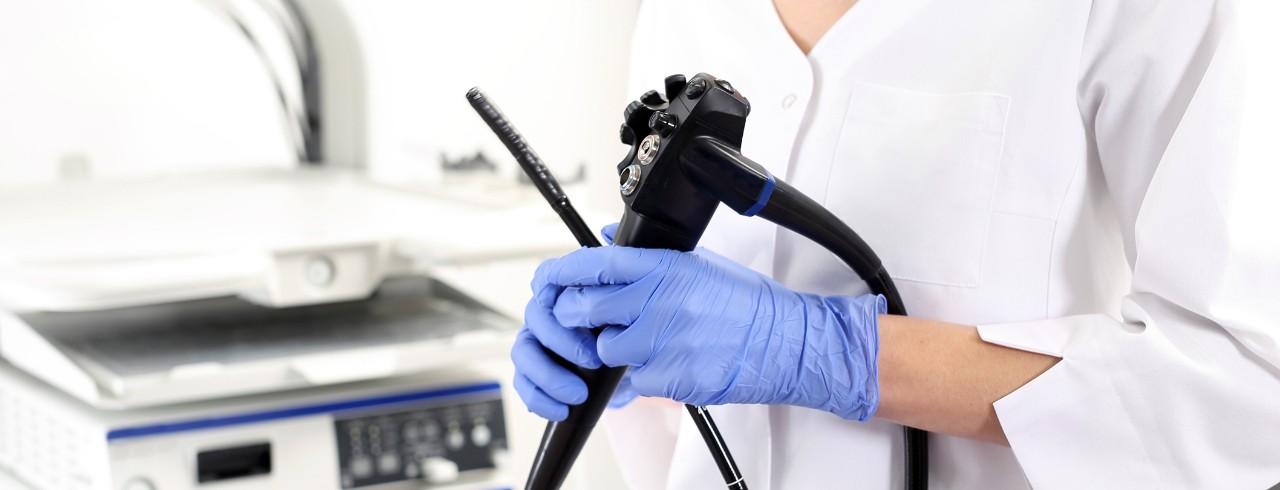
[{"x": 661, "y": 131}]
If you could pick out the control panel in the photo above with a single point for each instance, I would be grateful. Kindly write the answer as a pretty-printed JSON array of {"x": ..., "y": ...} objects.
[{"x": 437, "y": 444}]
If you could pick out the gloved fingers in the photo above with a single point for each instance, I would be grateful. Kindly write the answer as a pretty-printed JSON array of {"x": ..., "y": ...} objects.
[
  {"x": 608, "y": 232},
  {"x": 544, "y": 294},
  {"x": 646, "y": 382},
  {"x": 554, "y": 380},
  {"x": 539, "y": 402},
  {"x": 623, "y": 346},
  {"x": 597, "y": 266},
  {"x": 601, "y": 305},
  {"x": 576, "y": 345}
]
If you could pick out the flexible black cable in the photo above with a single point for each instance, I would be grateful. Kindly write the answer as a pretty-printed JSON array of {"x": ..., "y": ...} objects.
[
  {"x": 733, "y": 479},
  {"x": 738, "y": 182},
  {"x": 818, "y": 224},
  {"x": 566, "y": 438}
]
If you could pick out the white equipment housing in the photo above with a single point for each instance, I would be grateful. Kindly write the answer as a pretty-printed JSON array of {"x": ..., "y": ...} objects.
[{"x": 445, "y": 430}]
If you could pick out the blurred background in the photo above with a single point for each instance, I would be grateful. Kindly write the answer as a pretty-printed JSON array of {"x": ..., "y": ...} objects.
[{"x": 268, "y": 244}]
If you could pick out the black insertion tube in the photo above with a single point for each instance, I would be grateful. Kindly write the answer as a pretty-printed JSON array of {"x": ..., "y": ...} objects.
[
  {"x": 733, "y": 479},
  {"x": 563, "y": 441},
  {"x": 533, "y": 166}
]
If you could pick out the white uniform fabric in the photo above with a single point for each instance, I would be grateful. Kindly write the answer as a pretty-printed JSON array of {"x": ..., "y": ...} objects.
[{"x": 1064, "y": 174}]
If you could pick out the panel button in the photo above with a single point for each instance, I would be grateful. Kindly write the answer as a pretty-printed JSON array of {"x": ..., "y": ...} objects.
[
  {"x": 481, "y": 435},
  {"x": 389, "y": 464},
  {"x": 361, "y": 467},
  {"x": 439, "y": 470},
  {"x": 454, "y": 440}
]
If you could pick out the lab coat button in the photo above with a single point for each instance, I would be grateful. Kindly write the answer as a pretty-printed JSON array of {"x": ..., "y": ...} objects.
[{"x": 788, "y": 101}]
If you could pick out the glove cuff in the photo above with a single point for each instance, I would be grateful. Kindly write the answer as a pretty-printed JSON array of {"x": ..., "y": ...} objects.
[{"x": 855, "y": 390}]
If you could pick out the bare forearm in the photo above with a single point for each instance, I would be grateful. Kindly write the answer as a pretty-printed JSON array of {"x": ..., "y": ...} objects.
[{"x": 943, "y": 378}]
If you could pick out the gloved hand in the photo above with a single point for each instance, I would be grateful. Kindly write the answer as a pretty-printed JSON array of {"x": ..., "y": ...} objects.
[
  {"x": 546, "y": 387},
  {"x": 699, "y": 329}
]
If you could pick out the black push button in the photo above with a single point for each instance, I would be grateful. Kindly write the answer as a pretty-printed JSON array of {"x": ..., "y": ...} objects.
[
  {"x": 695, "y": 88},
  {"x": 674, "y": 84},
  {"x": 653, "y": 100}
]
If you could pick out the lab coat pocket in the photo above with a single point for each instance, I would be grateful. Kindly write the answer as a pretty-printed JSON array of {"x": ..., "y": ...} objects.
[{"x": 914, "y": 174}]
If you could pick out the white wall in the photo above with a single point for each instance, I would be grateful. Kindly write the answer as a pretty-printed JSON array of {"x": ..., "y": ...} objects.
[
  {"x": 556, "y": 68},
  {"x": 138, "y": 87},
  {"x": 131, "y": 86}
]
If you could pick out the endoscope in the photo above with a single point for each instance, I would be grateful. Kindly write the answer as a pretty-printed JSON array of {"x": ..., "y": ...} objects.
[{"x": 684, "y": 161}]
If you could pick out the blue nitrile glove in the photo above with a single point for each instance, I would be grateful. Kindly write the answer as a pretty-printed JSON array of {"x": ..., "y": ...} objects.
[
  {"x": 546, "y": 387},
  {"x": 701, "y": 329}
]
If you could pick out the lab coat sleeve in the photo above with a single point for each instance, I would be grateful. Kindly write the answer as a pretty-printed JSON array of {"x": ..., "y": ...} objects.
[{"x": 1184, "y": 390}]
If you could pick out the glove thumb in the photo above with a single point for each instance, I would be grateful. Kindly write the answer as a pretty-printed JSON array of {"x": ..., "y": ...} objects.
[{"x": 608, "y": 232}]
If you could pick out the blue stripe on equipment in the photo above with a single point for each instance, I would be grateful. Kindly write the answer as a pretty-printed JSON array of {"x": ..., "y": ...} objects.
[
  {"x": 284, "y": 413},
  {"x": 764, "y": 196}
]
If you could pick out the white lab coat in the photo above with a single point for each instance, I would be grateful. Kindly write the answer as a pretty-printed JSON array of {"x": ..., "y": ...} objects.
[{"x": 1066, "y": 175}]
